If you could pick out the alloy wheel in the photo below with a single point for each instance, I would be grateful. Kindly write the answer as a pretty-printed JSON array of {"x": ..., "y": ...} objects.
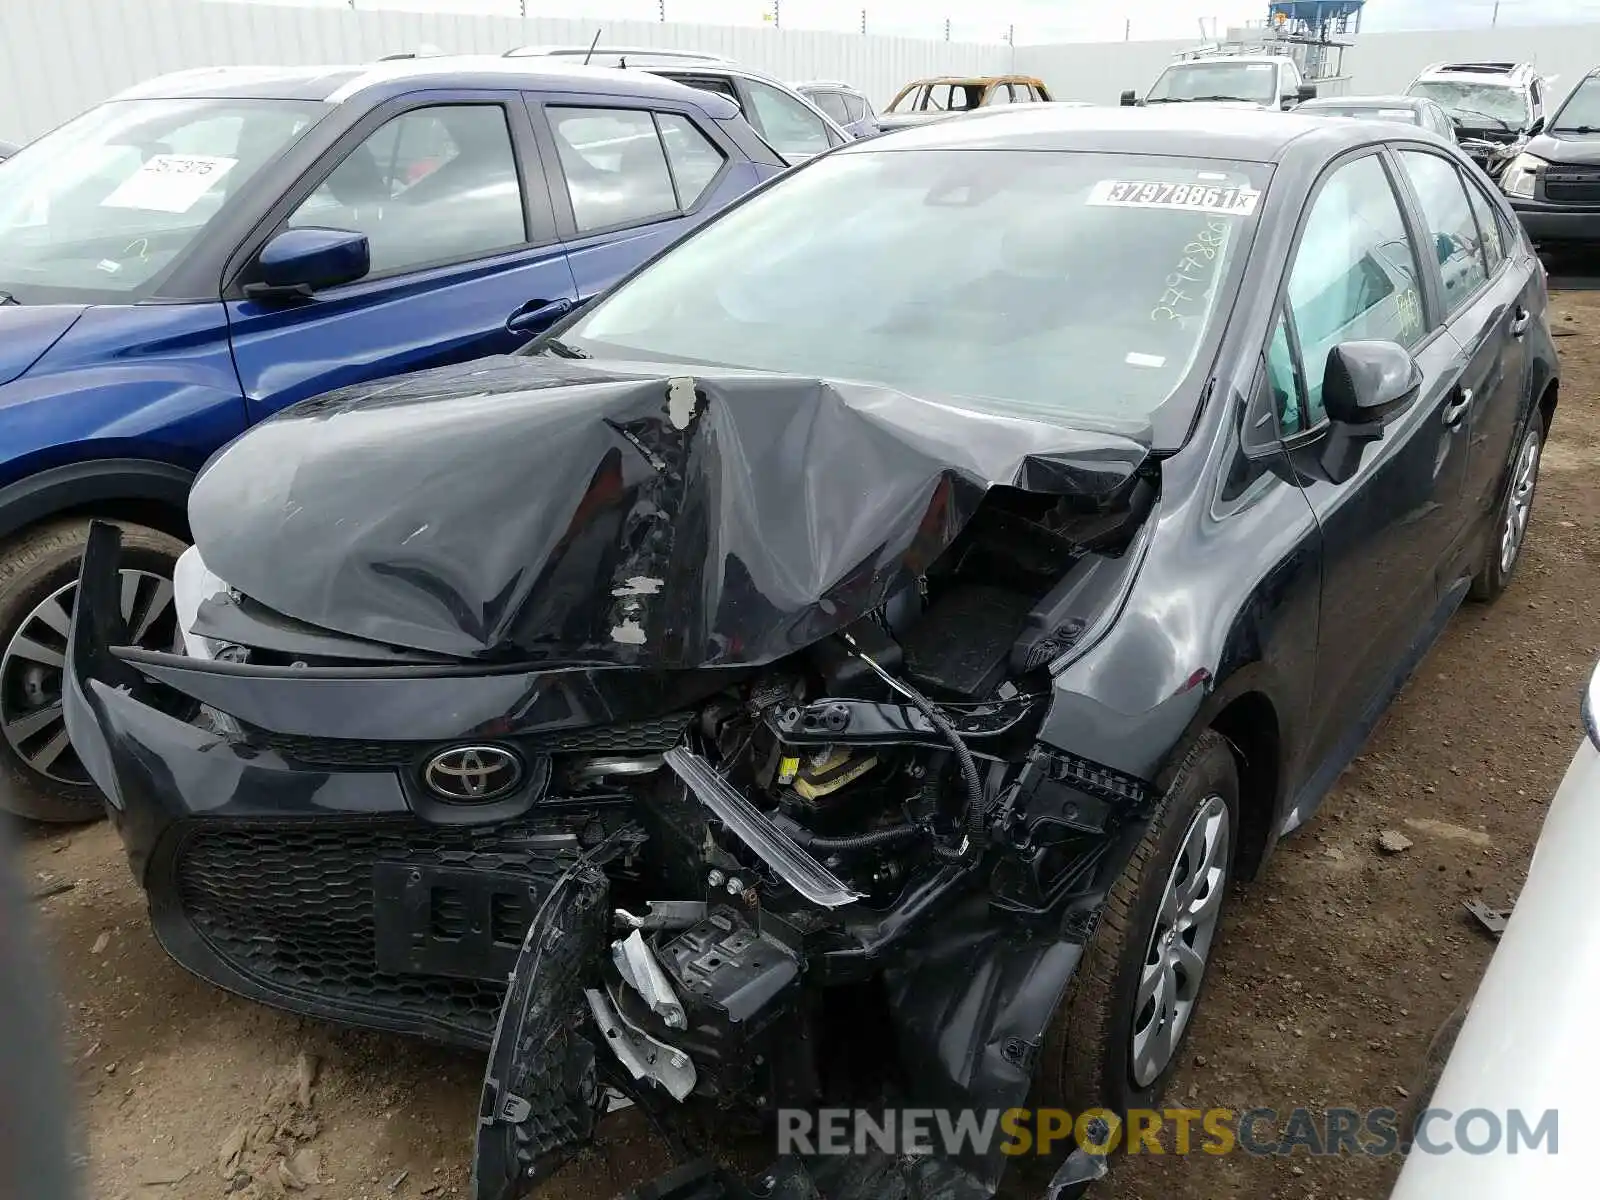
[
  {"x": 1180, "y": 943},
  {"x": 1519, "y": 501},
  {"x": 31, "y": 669}
]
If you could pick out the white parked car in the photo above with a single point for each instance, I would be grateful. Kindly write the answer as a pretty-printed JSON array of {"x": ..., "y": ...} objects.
[{"x": 1529, "y": 1031}]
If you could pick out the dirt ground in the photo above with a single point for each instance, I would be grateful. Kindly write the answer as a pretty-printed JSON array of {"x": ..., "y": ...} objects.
[{"x": 1334, "y": 971}]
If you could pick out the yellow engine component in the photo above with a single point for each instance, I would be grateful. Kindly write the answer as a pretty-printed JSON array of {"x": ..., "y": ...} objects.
[{"x": 831, "y": 770}]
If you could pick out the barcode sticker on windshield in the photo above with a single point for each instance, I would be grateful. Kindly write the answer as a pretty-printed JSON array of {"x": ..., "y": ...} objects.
[
  {"x": 171, "y": 183},
  {"x": 1183, "y": 197}
]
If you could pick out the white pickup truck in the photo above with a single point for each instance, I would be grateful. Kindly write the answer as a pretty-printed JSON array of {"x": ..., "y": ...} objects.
[{"x": 1260, "y": 81}]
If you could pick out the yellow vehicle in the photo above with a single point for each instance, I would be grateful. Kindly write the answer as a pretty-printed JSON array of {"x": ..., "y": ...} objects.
[{"x": 934, "y": 99}]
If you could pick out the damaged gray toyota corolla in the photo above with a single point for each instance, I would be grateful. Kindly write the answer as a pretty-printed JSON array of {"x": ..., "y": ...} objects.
[{"x": 729, "y": 706}]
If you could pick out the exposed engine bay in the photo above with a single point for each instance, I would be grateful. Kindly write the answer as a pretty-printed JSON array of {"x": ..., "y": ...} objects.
[{"x": 831, "y": 849}]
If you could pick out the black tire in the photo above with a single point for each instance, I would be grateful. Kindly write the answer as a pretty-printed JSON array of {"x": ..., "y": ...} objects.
[
  {"x": 1087, "y": 1058},
  {"x": 34, "y": 565},
  {"x": 1494, "y": 573},
  {"x": 1433, "y": 1063}
]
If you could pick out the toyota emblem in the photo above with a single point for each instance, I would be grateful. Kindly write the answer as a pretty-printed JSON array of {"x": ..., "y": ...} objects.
[{"x": 473, "y": 774}]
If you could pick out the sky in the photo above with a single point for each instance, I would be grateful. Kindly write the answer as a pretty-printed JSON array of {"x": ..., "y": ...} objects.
[{"x": 1029, "y": 21}]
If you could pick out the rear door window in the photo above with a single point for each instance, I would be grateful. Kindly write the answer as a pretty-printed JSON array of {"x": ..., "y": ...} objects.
[
  {"x": 615, "y": 166},
  {"x": 856, "y": 107},
  {"x": 1489, "y": 228},
  {"x": 1456, "y": 241}
]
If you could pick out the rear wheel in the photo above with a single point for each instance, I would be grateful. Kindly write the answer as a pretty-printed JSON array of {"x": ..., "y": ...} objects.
[
  {"x": 1504, "y": 549},
  {"x": 1117, "y": 1036},
  {"x": 40, "y": 775}
]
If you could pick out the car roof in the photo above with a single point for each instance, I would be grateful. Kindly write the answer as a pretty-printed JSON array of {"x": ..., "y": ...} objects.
[
  {"x": 1242, "y": 58},
  {"x": 974, "y": 80},
  {"x": 337, "y": 84},
  {"x": 1366, "y": 102},
  {"x": 830, "y": 84},
  {"x": 1503, "y": 73},
  {"x": 1179, "y": 130}
]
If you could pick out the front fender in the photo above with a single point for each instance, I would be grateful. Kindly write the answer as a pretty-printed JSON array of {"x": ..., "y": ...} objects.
[{"x": 1227, "y": 602}]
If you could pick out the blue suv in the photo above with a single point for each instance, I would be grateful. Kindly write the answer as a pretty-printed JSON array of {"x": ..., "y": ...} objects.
[{"x": 201, "y": 251}]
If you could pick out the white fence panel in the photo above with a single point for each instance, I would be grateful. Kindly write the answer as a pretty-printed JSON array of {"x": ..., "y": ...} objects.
[{"x": 58, "y": 58}]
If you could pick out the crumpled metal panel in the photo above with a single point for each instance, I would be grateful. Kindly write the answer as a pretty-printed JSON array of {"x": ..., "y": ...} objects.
[{"x": 544, "y": 510}]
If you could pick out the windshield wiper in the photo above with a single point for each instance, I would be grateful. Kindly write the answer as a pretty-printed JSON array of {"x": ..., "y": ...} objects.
[
  {"x": 1576, "y": 129},
  {"x": 559, "y": 348},
  {"x": 7, "y": 298},
  {"x": 1472, "y": 112},
  {"x": 1240, "y": 99}
]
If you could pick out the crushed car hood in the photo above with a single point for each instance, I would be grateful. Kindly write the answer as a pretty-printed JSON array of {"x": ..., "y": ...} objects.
[{"x": 536, "y": 509}]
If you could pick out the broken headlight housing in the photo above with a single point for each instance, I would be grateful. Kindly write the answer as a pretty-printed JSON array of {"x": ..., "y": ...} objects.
[{"x": 1522, "y": 176}]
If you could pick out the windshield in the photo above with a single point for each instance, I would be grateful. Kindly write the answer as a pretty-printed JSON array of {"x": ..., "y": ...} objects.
[
  {"x": 1078, "y": 287},
  {"x": 97, "y": 210},
  {"x": 1477, "y": 105},
  {"x": 1256, "y": 82},
  {"x": 1581, "y": 112}
]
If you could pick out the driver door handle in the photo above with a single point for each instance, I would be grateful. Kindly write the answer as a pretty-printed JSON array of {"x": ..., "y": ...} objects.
[
  {"x": 1520, "y": 323},
  {"x": 1456, "y": 409},
  {"x": 536, "y": 314}
]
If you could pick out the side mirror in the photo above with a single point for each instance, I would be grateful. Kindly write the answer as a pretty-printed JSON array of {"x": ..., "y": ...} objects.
[
  {"x": 1306, "y": 91},
  {"x": 1536, "y": 128},
  {"x": 1130, "y": 99},
  {"x": 1365, "y": 384},
  {"x": 299, "y": 262}
]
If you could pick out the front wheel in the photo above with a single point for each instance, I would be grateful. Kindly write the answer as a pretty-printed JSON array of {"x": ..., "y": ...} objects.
[
  {"x": 40, "y": 775},
  {"x": 1505, "y": 544},
  {"x": 1115, "y": 1040}
]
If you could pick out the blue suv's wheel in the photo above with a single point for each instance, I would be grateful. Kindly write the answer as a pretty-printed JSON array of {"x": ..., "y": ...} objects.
[{"x": 40, "y": 776}]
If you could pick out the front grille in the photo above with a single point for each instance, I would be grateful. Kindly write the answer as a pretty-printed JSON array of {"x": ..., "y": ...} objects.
[
  {"x": 635, "y": 737},
  {"x": 1572, "y": 184},
  {"x": 290, "y": 906}
]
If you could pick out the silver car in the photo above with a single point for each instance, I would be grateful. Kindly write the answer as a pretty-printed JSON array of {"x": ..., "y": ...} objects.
[
  {"x": 1527, "y": 1036},
  {"x": 792, "y": 125}
]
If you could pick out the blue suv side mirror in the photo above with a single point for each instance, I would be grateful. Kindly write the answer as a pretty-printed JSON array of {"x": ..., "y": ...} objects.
[{"x": 298, "y": 262}]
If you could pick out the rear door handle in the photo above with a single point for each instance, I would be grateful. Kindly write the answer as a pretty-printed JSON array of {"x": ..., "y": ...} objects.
[
  {"x": 536, "y": 314},
  {"x": 1520, "y": 323},
  {"x": 1456, "y": 409}
]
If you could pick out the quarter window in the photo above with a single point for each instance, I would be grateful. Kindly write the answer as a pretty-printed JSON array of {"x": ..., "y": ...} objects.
[
  {"x": 432, "y": 185},
  {"x": 856, "y": 107},
  {"x": 1456, "y": 242},
  {"x": 1354, "y": 275},
  {"x": 831, "y": 103},
  {"x": 695, "y": 160},
  {"x": 790, "y": 128},
  {"x": 615, "y": 167}
]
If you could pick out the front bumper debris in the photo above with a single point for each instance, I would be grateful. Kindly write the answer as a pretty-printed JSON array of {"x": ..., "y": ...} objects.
[{"x": 288, "y": 856}]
